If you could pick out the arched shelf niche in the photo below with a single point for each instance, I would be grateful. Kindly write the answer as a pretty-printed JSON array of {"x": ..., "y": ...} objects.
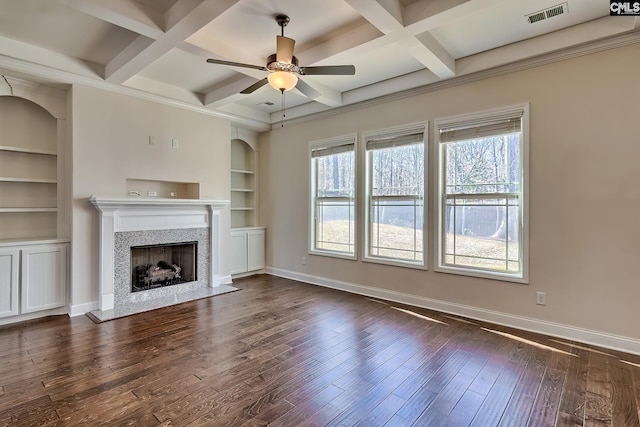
[{"x": 33, "y": 140}]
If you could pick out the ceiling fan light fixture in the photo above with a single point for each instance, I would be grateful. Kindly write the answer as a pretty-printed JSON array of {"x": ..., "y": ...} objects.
[{"x": 282, "y": 80}]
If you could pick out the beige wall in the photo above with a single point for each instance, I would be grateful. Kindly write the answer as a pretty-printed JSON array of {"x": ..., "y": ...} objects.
[
  {"x": 110, "y": 135},
  {"x": 584, "y": 196}
]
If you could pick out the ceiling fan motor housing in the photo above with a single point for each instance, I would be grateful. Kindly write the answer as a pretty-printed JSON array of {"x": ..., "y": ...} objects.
[{"x": 274, "y": 65}]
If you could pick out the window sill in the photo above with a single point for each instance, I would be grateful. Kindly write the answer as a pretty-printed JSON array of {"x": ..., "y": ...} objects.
[
  {"x": 504, "y": 277},
  {"x": 333, "y": 255},
  {"x": 395, "y": 263}
]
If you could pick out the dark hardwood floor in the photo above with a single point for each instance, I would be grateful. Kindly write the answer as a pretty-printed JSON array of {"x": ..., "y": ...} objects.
[{"x": 284, "y": 353}]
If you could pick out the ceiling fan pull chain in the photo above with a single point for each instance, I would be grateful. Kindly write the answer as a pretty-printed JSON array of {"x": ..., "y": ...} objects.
[{"x": 282, "y": 115}]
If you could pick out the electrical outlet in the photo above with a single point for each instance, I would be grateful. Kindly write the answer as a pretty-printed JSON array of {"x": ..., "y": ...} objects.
[
  {"x": 304, "y": 260},
  {"x": 152, "y": 193},
  {"x": 541, "y": 298},
  {"x": 173, "y": 194},
  {"x": 175, "y": 143}
]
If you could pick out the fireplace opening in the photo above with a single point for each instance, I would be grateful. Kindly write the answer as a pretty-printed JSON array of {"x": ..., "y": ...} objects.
[{"x": 155, "y": 266}]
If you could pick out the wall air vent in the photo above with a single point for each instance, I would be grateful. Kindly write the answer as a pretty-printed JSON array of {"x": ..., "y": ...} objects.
[{"x": 560, "y": 9}]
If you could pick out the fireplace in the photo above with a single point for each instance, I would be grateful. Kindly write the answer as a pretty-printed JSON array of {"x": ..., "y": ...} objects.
[
  {"x": 149, "y": 224},
  {"x": 155, "y": 266}
]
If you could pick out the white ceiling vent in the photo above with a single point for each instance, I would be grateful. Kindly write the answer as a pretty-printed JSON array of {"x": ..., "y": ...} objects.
[{"x": 560, "y": 9}]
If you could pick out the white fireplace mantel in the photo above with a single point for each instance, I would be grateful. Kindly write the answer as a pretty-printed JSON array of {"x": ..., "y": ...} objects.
[{"x": 119, "y": 214}]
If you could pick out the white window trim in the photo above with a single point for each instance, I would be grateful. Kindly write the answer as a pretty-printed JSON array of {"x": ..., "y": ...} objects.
[
  {"x": 389, "y": 132},
  {"x": 326, "y": 143},
  {"x": 524, "y": 205}
]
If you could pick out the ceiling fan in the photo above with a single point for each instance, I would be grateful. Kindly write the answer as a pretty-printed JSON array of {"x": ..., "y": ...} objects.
[{"x": 284, "y": 69}]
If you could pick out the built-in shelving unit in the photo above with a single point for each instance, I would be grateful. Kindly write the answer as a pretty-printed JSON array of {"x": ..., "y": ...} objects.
[
  {"x": 243, "y": 184},
  {"x": 34, "y": 201},
  {"x": 247, "y": 239},
  {"x": 28, "y": 171}
]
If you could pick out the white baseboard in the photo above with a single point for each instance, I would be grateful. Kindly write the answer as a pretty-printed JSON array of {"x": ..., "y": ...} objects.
[
  {"x": 601, "y": 339},
  {"x": 247, "y": 274},
  {"x": 62, "y": 311},
  {"x": 80, "y": 309},
  {"x": 224, "y": 280}
]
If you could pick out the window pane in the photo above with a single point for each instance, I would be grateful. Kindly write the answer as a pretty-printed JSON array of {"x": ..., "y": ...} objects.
[
  {"x": 396, "y": 205},
  {"x": 487, "y": 165},
  {"x": 396, "y": 228},
  {"x": 335, "y": 175},
  {"x": 482, "y": 233},
  {"x": 335, "y": 225},
  {"x": 398, "y": 171}
]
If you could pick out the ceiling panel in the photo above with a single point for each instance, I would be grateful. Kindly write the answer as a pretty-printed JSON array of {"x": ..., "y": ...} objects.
[
  {"x": 504, "y": 23},
  {"x": 51, "y": 25},
  {"x": 179, "y": 68}
]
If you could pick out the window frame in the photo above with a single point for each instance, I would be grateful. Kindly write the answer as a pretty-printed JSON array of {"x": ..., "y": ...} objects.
[
  {"x": 521, "y": 110},
  {"x": 368, "y": 185},
  {"x": 329, "y": 143}
]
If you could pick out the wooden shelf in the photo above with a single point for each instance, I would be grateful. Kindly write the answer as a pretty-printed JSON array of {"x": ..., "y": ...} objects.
[
  {"x": 34, "y": 180},
  {"x": 243, "y": 190},
  {"x": 28, "y": 150},
  {"x": 242, "y": 171},
  {"x": 26, "y": 210},
  {"x": 242, "y": 209}
]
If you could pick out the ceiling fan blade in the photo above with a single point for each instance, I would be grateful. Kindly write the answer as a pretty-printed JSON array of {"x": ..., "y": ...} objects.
[
  {"x": 236, "y": 64},
  {"x": 257, "y": 85},
  {"x": 329, "y": 70},
  {"x": 307, "y": 90},
  {"x": 284, "y": 51}
]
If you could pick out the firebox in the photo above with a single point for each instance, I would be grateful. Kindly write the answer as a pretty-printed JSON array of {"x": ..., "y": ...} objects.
[{"x": 155, "y": 266}]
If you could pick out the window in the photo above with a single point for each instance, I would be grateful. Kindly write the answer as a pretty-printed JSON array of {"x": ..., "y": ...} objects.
[
  {"x": 482, "y": 206},
  {"x": 333, "y": 197},
  {"x": 395, "y": 195}
]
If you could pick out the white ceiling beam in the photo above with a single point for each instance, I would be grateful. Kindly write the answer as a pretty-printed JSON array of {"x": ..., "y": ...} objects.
[
  {"x": 339, "y": 46},
  {"x": 127, "y": 14},
  {"x": 386, "y": 15},
  {"x": 30, "y": 54},
  {"x": 328, "y": 96},
  {"x": 242, "y": 112},
  {"x": 227, "y": 91},
  {"x": 155, "y": 87},
  {"x": 431, "y": 54},
  {"x": 184, "y": 19},
  {"x": 426, "y": 15}
]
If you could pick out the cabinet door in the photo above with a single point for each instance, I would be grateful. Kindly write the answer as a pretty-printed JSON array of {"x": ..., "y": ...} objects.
[
  {"x": 238, "y": 252},
  {"x": 44, "y": 277},
  {"x": 9, "y": 282},
  {"x": 255, "y": 250}
]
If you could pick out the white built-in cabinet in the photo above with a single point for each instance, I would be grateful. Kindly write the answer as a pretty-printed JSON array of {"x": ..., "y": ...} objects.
[
  {"x": 33, "y": 278},
  {"x": 9, "y": 264},
  {"x": 247, "y": 239},
  {"x": 247, "y": 249},
  {"x": 34, "y": 200}
]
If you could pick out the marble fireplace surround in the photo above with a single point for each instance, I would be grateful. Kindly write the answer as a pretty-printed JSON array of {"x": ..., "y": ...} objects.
[{"x": 132, "y": 221}]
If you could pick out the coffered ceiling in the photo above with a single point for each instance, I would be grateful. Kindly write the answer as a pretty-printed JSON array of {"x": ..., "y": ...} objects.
[{"x": 158, "y": 48}]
